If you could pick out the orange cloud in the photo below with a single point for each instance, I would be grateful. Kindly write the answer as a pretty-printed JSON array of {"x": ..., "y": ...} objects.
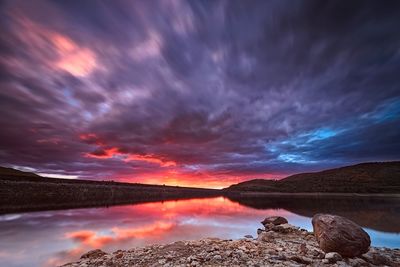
[
  {"x": 73, "y": 59},
  {"x": 70, "y": 56},
  {"x": 115, "y": 152},
  {"x": 88, "y": 136},
  {"x": 149, "y": 158},
  {"x": 91, "y": 138},
  {"x": 104, "y": 154}
]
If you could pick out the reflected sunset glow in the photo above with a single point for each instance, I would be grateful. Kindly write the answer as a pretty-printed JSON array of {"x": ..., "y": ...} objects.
[{"x": 57, "y": 237}]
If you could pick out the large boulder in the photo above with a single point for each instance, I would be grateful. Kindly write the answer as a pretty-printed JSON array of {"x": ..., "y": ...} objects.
[
  {"x": 338, "y": 234},
  {"x": 275, "y": 220}
]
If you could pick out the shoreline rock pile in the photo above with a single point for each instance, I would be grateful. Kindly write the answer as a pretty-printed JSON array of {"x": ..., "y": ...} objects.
[{"x": 335, "y": 241}]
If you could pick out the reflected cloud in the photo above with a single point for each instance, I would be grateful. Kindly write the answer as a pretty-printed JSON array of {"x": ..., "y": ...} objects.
[{"x": 57, "y": 237}]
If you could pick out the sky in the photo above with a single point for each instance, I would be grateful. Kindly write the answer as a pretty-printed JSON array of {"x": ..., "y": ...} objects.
[{"x": 197, "y": 93}]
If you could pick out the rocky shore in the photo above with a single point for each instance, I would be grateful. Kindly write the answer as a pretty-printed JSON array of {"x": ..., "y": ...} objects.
[{"x": 278, "y": 244}]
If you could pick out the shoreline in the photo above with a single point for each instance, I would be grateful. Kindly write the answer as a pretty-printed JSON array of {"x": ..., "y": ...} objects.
[
  {"x": 313, "y": 194},
  {"x": 24, "y": 194},
  {"x": 282, "y": 245},
  {"x": 52, "y": 201}
]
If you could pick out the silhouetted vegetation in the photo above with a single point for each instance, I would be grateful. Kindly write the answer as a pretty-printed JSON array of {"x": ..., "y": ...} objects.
[{"x": 381, "y": 177}]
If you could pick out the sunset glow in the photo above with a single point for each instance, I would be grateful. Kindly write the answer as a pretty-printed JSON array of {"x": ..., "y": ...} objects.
[
  {"x": 197, "y": 93},
  {"x": 162, "y": 132}
]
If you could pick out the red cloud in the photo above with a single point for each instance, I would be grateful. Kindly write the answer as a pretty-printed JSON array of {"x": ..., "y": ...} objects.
[
  {"x": 103, "y": 153},
  {"x": 106, "y": 153}
]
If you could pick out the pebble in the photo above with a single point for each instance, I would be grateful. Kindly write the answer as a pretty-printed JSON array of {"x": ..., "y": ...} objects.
[{"x": 333, "y": 257}]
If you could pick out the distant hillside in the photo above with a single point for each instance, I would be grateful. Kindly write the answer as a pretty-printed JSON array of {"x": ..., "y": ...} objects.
[
  {"x": 15, "y": 173},
  {"x": 24, "y": 191},
  {"x": 377, "y": 177}
]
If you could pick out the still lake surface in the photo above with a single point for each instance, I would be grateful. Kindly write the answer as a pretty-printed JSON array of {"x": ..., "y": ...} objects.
[{"x": 51, "y": 238}]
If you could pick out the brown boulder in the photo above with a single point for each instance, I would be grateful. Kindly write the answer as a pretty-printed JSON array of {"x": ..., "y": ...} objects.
[
  {"x": 338, "y": 234},
  {"x": 275, "y": 220}
]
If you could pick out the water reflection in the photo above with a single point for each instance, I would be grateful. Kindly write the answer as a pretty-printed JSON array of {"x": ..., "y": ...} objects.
[
  {"x": 379, "y": 213},
  {"x": 55, "y": 237}
]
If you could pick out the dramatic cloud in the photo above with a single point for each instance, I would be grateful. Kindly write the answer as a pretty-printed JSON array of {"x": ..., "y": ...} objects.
[{"x": 202, "y": 93}]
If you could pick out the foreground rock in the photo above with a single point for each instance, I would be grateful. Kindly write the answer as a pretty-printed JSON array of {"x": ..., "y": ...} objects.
[
  {"x": 338, "y": 234},
  {"x": 275, "y": 220},
  {"x": 276, "y": 245}
]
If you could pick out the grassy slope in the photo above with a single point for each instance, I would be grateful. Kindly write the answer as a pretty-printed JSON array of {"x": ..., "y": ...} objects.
[{"x": 380, "y": 177}]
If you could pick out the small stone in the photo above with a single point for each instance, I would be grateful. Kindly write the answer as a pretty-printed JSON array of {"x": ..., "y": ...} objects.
[
  {"x": 217, "y": 257},
  {"x": 248, "y": 236},
  {"x": 285, "y": 228},
  {"x": 317, "y": 254},
  {"x": 300, "y": 259},
  {"x": 265, "y": 236},
  {"x": 243, "y": 248},
  {"x": 279, "y": 257},
  {"x": 342, "y": 264},
  {"x": 333, "y": 257},
  {"x": 303, "y": 249},
  {"x": 357, "y": 262},
  {"x": 376, "y": 258}
]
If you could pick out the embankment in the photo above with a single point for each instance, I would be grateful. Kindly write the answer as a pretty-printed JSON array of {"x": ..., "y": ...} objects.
[{"x": 39, "y": 193}]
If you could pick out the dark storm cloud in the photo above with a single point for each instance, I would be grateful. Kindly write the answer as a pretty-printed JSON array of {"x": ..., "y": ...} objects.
[{"x": 198, "y": 88}]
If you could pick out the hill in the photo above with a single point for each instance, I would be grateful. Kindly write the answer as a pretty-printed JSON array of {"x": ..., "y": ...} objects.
[
  {"x": 10, "y": 172},
  {"x": 24, "y": 191},
  {"x": 376, "y": 177}
]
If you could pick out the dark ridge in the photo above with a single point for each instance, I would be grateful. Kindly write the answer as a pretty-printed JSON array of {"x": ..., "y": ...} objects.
[
  {"x": 10, "y": 172},
  {"x": 375, "y": 177},
  {"x": 21, "y": 191}
]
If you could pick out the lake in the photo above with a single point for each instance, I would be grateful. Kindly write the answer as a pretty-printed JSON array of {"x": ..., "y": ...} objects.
[{"x": 50, "y": 238}]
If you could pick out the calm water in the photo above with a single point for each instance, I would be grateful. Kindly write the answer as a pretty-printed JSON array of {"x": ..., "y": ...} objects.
[{"x": 51, "y": 238}]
